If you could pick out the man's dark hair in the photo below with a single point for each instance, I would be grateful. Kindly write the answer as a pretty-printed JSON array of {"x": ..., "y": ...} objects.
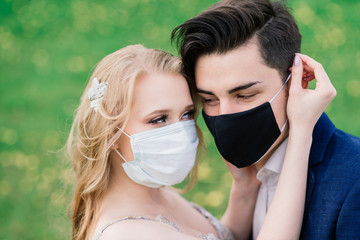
[{"x": 229, "y": 24}]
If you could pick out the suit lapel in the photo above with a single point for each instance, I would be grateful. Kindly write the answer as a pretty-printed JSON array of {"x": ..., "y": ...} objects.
[
  {"x": 309, "y": 188},
  {"x": 323, "y": 131}
]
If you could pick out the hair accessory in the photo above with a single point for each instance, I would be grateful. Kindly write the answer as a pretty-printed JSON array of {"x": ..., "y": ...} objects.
[{"x": 96, "y": 93}]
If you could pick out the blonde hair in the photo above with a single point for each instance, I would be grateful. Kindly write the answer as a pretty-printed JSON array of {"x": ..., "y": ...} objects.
[{"x": 93, "y": 132}]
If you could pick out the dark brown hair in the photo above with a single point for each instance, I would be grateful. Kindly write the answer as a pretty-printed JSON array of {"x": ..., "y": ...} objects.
[{"x": 228, "y": 24}]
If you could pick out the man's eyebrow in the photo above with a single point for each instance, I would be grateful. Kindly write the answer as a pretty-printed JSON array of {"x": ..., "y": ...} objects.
[
  {"x": 205, "y": 92},
  {"x": 242, "y": 87}
]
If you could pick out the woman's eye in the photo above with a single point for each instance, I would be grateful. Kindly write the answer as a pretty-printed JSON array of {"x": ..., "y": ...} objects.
[
  {"x": 188, "y": 115},
  {"x": 161, "y": 119}
]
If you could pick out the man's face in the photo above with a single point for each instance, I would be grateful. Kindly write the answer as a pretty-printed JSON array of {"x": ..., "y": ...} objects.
[{"x": 238, "y": 81}]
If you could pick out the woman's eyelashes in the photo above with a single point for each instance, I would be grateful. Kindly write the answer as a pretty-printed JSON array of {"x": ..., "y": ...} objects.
[
  {"x": 188, "y": 115},
  {"x": 159, "y": 119},
  {"x": 164, "y": 118}
]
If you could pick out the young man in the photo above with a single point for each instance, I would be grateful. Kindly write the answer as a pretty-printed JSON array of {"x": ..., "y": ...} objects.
[{"x": 239, "y": 53}]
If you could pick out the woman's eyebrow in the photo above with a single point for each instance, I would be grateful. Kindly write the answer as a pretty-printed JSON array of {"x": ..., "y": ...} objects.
[
  {"x": 191, "y": 106},
  {"x": 158, "y": 112}
]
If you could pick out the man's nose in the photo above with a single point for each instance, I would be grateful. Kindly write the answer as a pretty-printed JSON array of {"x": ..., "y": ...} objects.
[{"x": 227, "y": 107}]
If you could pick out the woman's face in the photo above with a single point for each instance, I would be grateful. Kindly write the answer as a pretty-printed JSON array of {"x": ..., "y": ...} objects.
[{"x": 159, "y": 99}]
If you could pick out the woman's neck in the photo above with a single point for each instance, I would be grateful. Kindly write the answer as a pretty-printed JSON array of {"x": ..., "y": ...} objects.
[
  {"x": 125, "y": 193},
  {"x": 124, "y": 187}
]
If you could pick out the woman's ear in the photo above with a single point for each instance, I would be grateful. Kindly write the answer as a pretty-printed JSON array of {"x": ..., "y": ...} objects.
[{"x": 114, "y": 146}]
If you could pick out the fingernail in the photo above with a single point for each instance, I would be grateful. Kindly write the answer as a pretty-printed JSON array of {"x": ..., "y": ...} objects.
[{"x": 297, "y": 60}]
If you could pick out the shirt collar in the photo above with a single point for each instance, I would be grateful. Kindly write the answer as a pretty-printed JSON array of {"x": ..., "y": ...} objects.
[{"x": 275, "y": 162}]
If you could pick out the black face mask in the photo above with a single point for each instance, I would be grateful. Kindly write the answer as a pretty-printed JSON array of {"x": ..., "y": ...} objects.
[{"x": 244, "y": 138}]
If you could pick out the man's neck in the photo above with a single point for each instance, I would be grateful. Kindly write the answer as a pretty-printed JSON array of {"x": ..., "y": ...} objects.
[{"x": 277, "y": 143}]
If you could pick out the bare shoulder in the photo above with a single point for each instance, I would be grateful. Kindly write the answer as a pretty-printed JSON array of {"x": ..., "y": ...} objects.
[{"x": 142, "y": 229}]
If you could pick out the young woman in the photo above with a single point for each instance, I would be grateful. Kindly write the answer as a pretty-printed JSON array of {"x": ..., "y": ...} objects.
[{"x": 134, "y": 134}]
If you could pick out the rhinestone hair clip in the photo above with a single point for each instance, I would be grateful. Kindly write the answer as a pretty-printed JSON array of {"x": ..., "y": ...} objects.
[{"x": 96, "y": 93}]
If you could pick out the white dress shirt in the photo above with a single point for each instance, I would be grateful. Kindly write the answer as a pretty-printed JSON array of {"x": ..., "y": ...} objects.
[{"x": 268, "y": 175}]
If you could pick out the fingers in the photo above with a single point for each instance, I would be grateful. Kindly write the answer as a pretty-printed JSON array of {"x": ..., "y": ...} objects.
[
  {"x": 308, "y": 75},
  {"x": 296, "y": 74},
  {"x": 318, "y": 70},
  {"x": 305, "y": 84}
]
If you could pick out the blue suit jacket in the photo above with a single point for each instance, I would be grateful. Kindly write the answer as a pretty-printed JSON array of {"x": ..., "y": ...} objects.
[{"x": 332, "y": 206}]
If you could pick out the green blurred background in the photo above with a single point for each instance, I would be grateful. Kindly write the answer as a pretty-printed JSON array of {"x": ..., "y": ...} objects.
[{"x": 47, "y": 51}]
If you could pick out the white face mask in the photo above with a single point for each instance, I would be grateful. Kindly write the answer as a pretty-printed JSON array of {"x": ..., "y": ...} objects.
[{"x": 162, "y": 156}]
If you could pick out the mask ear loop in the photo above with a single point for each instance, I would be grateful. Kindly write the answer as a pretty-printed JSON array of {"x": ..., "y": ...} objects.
[
  {"x": 280, "y": 88},
  {"x": 277, "y": 95},
  {"x": 284, "y": 125},
  {"x": 117, "y": 151},
  {"x": 123, "y": 132}
]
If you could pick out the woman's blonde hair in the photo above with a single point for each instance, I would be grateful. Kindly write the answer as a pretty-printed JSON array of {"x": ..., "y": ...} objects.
[{"x": 93, "y": 132}]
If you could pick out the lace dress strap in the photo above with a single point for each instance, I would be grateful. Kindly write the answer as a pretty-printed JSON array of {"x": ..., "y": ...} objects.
[
  {"x": 159, "y": 218},
  {"x": 223, "y": 232}
]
